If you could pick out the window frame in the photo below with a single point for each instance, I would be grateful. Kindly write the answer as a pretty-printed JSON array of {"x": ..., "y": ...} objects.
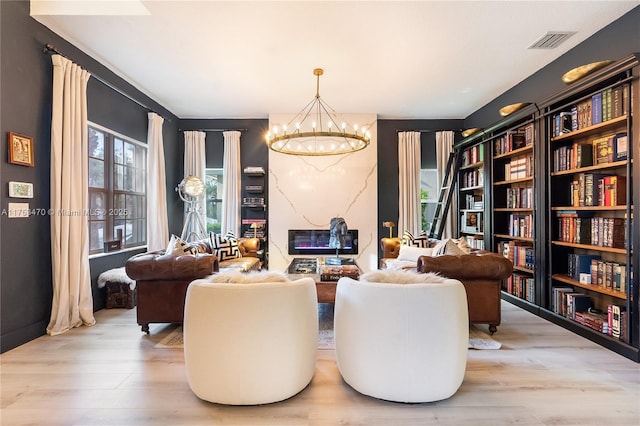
[{"x": 109, "y": 213}]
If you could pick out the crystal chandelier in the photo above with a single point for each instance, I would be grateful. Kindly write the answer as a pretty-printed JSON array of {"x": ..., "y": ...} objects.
[{"x": 317, "y": 130}]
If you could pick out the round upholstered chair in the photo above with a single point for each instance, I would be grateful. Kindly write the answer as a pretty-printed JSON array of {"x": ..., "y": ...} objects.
[
  {"x": 250, "y": 343},
  {"x": 402, "y": 342}
]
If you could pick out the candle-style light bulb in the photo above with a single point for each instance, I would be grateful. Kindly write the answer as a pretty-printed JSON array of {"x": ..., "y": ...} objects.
[{"x": 344, "y": 126}]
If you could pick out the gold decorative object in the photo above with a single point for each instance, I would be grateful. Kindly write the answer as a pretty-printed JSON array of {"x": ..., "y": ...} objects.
[
  {"x": 470, "y": 132},
  {"x": 510, "y": 109},
  {"x": 389, "y": 225},
  {"x": 582, "y": 71},
  {"x": 317, "y": 130}
]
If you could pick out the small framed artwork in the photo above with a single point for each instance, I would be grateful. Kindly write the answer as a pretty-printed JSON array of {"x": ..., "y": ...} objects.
[
  {"x": 20, "y": 190},
  {"x": 20, "y": 149}
]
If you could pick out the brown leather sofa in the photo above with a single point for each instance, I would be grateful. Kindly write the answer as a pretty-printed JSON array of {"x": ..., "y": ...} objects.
[
  {"x": 162, "y": 280},
  {"x": 480, "y": 272}
]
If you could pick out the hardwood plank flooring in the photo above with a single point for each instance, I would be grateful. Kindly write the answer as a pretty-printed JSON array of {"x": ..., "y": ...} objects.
[{"x": 111, "y": 374}]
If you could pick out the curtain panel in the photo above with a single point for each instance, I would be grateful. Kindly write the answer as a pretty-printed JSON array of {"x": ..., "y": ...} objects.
[
  {"x": 195, "y": 161},
  {"x": 72, "y": 304},
  {"x": 157, "y": 217},
  {"x": 231, "y": 177},
  {"x": 409, "y": 211}
]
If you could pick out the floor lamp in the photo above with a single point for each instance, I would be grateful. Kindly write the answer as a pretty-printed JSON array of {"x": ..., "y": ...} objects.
[{"x": 191, "y": 191}]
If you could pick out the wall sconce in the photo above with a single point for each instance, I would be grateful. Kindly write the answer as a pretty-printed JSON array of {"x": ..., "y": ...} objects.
[{"x": 389, "y": 225}]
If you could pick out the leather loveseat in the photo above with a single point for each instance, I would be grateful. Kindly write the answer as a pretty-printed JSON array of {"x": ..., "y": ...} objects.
[
  {"x": 162, "y": 280},
  {"x": 481, "y": 273}
]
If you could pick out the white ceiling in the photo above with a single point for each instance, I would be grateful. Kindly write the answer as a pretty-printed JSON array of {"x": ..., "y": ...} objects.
[{"x": 398, "y": 59}]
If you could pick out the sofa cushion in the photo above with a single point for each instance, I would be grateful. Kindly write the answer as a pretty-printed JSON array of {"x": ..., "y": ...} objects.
[
  {"x": 225, "y": 247},
  {"x": 450, "y": 246},
  {"x": 420, "y": 241},
  {"x": 178, "y": 247},
  {"x": 412, "y": 253}
]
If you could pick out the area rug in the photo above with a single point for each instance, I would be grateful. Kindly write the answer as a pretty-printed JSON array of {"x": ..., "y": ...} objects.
[{"x": 477, "y": 339}]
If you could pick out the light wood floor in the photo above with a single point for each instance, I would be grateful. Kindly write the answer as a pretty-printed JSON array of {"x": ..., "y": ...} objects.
[{"x": 111, "y": 374}]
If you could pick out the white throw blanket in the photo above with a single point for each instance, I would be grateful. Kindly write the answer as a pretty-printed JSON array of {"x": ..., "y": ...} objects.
[{"x": 117, "y": 275}]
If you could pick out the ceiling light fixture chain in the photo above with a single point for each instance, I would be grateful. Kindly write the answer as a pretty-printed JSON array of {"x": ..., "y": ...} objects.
[{"x": 310, "y": 137}]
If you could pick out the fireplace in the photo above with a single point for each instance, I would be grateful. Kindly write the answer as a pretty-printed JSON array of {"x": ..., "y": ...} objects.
[{"x": 316, "y": 242}]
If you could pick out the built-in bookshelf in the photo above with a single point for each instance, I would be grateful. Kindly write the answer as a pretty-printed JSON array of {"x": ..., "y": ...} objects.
[
  {"x": 513, "y": 205},
  {"x": 254, "y": 207},
  {"x": 471, "y": 194},
  {"x": 591, "y": 209},
  {"x": 560, "y": 193}
]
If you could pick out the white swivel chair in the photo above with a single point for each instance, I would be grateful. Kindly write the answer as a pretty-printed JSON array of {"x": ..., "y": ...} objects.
[
  {"x": 247, "y": 344},
  {"x": 402, "y": 342}
]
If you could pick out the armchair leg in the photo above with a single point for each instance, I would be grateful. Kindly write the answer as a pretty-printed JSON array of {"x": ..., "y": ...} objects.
[
  {"x": 493, "y": 328},
  {"x": 145, "y": 328}
]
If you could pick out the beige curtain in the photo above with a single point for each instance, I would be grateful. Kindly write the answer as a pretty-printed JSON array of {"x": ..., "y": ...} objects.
[
  {"x": 231, "y": 176},
  {"x": 195, "y": 161},
  {"x": 157, "y": 222},
  {"x": 72, "y": 304},
  {"x": 444, "y": 146},
  {"x": 409, "y": 210}
]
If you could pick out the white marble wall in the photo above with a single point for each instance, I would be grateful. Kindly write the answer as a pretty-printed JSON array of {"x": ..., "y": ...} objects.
[{"x": 306, "y": 192}]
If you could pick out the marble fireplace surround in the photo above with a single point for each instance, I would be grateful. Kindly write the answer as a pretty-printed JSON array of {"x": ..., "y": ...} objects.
[{"x": 306, "y": 192}]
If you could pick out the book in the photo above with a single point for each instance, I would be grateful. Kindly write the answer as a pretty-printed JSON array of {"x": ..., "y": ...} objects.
[
  {"x": 620, "y": 147},
  {"x": 603, "y": 150},
  {"x": 596, "y": 108},
  {"x": 615, "y": 191},
  {"x": 335, "y": 272}
]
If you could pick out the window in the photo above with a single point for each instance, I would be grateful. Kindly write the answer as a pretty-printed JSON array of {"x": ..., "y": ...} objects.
[
  {"x": 428, "y": 196},
  {"x": 214, "y": 200},
  {"x": 117, "y": 189}
]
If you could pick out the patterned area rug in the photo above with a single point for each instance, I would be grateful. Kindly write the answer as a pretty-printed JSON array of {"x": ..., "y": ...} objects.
[{"x": 478, "y": 339}]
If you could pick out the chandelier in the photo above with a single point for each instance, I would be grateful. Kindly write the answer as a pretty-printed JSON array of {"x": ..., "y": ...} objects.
[{"x": 317, "y": 130}]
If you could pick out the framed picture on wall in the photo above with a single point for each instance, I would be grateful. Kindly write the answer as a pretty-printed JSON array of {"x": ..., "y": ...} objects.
[
  {"x": 20, "y": 149},
  {"x": 20, "y": 190}
]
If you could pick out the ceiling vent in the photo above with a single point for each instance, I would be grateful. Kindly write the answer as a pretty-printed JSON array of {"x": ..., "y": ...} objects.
[{"x": 551, "y": 40}]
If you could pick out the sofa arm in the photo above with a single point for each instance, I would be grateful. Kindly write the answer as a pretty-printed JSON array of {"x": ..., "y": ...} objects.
[
  {"x": 158, "y": 266},
  {"x": 475, "y": 266},
  {"x": 390, "y": 247},
  {"x": 249, "y": 247}
]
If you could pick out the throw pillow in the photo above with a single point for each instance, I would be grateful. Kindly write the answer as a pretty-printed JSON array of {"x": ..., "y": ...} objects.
[
  {"x": 401, "y": 277},
  {"x": 237, "y": 277},
  {"x": 413, "y": 253},
  {"x": 178, "y": 247},
  {"x": 226, "y": 247},
  {"x": 447, "y": 246},
  {"x": 420, "y": 241}
]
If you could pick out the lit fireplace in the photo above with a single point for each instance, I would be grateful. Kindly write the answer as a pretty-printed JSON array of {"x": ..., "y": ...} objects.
[{"x": 316, "y": 242}]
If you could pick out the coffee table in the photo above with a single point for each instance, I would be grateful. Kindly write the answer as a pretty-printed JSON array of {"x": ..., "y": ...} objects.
[{"x": 307, "y": 268}]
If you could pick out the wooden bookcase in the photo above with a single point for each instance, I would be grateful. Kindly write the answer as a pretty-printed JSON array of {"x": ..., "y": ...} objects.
[
  {"x": 471, "y": 190},
  {"x": 581, "y": 191}
]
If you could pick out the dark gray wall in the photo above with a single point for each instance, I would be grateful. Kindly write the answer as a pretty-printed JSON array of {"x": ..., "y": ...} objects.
[
  {"x": 26, "y": 85},
  {"x": 616, "y": 41},
  {"x": 388, "y": 160}
]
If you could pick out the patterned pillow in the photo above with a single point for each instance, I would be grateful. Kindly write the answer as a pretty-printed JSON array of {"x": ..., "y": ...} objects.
[
  {"x": 226, "y": 247},
  {"x": 422, "y": 240},
  {"x": 447, "y": 246},
  {"x": 177, "y": 247}
]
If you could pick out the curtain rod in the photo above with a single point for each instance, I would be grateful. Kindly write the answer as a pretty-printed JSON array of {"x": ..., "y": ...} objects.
[
  {"x": 50, "y": 48},
  {"x": 212, "y": 130},
  {"x": 429, "y": 131}
]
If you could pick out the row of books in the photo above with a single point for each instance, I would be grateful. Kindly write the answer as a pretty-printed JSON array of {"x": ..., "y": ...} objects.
[
  {"x": 596, "y": 231},
  {"x": 254, "y": 170},
  {"x": 596, "y": 189},
  {"x": 472, "y": 178},
  {"x": 514, "y": 139},
  {"x": 519, "y": 167},
  {"x": 519, "y": 253},
  {"x": 601, "y": 107},
  {"x": 520, "y": 285},
  {"x": 611, "y": 275},
  {"x": 335, "y": 272},
  {"x": 520, "y": 197},
  {"x": 521, "y": 225},
  {"x": 253, "y": 201},
  {"x": 473, "y": 155},
  {"x": 474, "y": 242},
  {"x": 602, "y": 150},
  {"x": 473, "y": 202},
  {"x": 577, "y": 306}
]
